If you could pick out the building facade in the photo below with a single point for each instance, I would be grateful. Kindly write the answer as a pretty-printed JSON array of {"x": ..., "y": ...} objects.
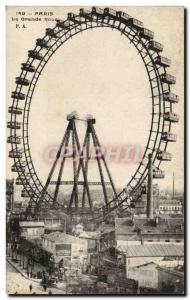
[{"x": 31, "y": 229}]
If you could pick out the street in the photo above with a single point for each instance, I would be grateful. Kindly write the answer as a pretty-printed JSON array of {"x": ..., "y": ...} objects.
[{"x": 17, "y": 284}]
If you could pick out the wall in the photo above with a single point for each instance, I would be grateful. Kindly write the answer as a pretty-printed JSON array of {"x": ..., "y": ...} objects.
[
  {"x": 171, "y": 241},
  {"x": 127, "y": 243},
  {"x": 170, "y": 209},
  {"x": 171, "y": 263},
  {"x": 32, "y": 232},
  {"x": 48, "y": 245},
  {"x": 167, "y": 276},
  {"x": 80, "y": 248},
  {"x": 147, "y": 276},
  {"x": 137, "y": 261}
]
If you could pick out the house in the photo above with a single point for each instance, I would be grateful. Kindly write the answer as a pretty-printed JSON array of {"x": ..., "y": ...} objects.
[
  {"x": 102, "y": 238},
  {"x": 31, "y": 229},
  {"x": 152, "y": 276},
  {"x": 52, "y": 225},
  {"x": 110, "y": 267},
  {"x": 138, "y": 230},
  {"x": 146, "y": 275},
  {"x": 78, "y": 229},
  {"x": 170, "y": 207},
  {"x": 92, "y": 238},
  {"x": 54, "y": 220},
  {"x": 171, "y": 280},
  {"x": 125, "y": 232},
  {"x": 65, "y": 249},
  {"x": 137, "y": 255}
]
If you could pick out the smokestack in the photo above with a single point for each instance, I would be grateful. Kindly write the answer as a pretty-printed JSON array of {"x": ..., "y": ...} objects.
[
  {"x": 173, "y": 185},
  {"x": 150, "y": 204}
]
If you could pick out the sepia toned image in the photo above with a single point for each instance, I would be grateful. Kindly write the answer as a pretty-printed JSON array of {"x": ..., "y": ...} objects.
[{"x": 95, "y": 194}]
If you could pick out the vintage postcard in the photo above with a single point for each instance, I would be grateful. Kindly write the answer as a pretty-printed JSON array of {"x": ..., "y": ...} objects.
[{"x": 95, "y": 195}]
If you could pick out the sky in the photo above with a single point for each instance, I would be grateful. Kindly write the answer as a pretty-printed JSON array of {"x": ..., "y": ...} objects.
[{"x": 98, "y": 72}]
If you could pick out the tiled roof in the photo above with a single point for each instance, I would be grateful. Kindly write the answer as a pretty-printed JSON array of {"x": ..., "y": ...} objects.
[
  {"x": 154, "y": 250},
  {"x": 170, "y": 225},
  {"x": 124, "y": 226}
]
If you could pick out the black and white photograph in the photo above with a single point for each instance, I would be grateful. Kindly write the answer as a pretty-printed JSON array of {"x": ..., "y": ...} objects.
[{"x": 95, "y": 176}]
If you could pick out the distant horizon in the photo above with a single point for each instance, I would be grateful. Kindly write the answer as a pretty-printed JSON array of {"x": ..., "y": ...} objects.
[{"x": 18, "y": 188}]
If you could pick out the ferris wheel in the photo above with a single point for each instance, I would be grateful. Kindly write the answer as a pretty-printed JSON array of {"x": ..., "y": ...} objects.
[{"x": 160, "y": 82}]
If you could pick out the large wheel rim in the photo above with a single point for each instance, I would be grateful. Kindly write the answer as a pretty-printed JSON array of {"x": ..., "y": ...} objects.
[{"x": 159, "y": 106}]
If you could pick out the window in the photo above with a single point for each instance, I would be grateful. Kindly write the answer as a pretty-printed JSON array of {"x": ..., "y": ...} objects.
[{"x": 167, "y": 241}]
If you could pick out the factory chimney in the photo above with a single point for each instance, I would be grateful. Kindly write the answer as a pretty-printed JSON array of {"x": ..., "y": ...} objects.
[{"x": 150, "y": 204}]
